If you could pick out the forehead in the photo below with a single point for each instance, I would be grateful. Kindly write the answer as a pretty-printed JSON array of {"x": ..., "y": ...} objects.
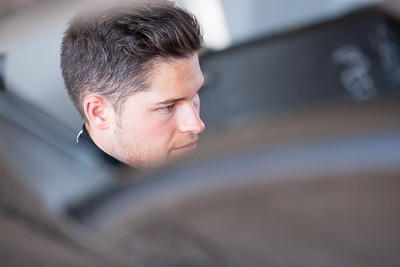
[
  {"x": 178, "y": 78},
  {"x": 184, "y": 71}
]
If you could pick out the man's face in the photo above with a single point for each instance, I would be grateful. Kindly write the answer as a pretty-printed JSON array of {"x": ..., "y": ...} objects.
[{"x": 163, "y": 121}]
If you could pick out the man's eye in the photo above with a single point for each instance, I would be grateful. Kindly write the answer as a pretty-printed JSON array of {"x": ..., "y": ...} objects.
[{"x": 167, "y": 109}]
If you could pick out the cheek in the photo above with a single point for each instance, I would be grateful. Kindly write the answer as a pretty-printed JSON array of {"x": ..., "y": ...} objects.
[
  {"x": 150, "y": 128},
  {"x": 159, "y": 127}
]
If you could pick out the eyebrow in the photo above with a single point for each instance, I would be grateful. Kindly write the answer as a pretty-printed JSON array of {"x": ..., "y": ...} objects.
[{"x": 175, "y": 100}]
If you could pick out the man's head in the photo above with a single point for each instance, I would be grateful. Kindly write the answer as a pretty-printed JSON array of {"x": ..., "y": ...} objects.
[{"x": 133, "y": 74}]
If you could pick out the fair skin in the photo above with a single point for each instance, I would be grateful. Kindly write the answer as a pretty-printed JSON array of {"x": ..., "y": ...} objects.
[{"x": 155, "y": 124}]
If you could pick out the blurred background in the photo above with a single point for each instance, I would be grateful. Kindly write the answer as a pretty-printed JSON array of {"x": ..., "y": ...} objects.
[{"x": 31, "y": 32}]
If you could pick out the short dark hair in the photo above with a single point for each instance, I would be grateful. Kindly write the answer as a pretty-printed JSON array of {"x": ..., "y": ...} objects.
[{"x": 112, "y": 52}]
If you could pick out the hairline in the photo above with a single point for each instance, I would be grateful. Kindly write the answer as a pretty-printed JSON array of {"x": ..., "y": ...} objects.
[{"x": 119, "y": 106}]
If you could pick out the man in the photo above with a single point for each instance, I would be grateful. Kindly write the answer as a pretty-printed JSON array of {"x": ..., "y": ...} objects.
[{"x": 133, "y": 74}]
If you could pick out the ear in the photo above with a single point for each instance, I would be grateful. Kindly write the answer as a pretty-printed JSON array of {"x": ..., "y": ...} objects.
[{"x": 97, "y": 111}]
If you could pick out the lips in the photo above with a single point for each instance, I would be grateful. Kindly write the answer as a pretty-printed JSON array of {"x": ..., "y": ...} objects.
[{"x": 189, "y": 147}]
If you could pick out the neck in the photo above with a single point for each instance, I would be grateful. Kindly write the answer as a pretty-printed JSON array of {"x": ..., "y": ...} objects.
[{"x": 97, "y": 138}]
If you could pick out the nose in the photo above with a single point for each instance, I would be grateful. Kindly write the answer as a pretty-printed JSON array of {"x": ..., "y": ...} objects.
[{"x": 190, "y": 121}]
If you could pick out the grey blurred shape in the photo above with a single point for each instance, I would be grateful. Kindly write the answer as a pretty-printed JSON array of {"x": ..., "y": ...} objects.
[{"x": 338, "y": 61}]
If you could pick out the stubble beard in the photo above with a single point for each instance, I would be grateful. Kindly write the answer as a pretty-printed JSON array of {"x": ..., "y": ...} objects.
[{"x": 130, "y": 153}]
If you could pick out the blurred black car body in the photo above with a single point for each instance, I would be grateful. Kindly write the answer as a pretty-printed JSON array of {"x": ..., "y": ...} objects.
[{"x": 353, "y": 58}]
